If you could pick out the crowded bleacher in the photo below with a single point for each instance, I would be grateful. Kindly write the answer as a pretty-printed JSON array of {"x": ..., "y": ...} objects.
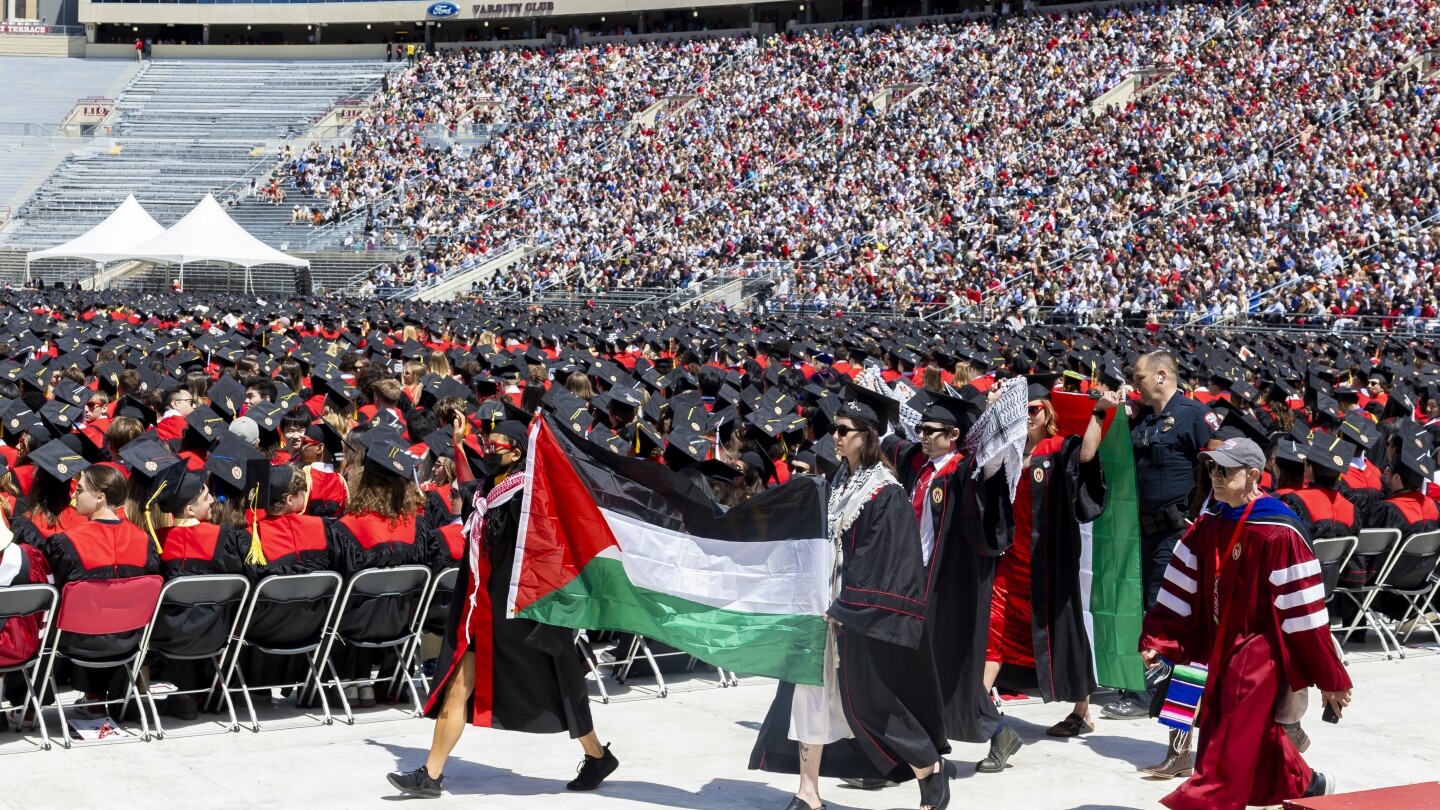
[{"x": 1269, "y": 164}]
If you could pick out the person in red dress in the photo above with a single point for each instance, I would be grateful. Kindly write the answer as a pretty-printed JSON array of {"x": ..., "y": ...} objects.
[{"x": 1063, "y": 486}]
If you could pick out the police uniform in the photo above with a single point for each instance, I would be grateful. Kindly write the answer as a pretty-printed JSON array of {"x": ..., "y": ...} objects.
[{"x": 1167, "y": 447}]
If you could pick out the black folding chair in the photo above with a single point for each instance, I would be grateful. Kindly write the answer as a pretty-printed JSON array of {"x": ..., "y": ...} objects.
[
  {"x": 19, "y": 602},
  {"x": 1381, "y": 543},
  {"x": 406, "y": 584},
  {"x": 436, "y": 609},
  {"x": 1333, "y": 553},
  {"x": 286, "y": 615},
  {"x": 1411, "y": 576},
  {"x": 223, "y": 597}
]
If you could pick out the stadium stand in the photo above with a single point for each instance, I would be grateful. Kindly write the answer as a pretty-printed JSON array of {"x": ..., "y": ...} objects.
[
  {"x": 36, "y": 103},
  {"x": 187, "y": 128}
]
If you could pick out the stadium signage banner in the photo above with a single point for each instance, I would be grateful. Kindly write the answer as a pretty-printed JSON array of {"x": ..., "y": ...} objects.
[
  {"x": 12, "y": 28},
  {"x": 531, "y": 9},
  {"x": 442, "y": 10}
]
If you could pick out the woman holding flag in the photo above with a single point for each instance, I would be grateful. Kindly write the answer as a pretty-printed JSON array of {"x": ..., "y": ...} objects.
[
  {"x": 878, "y": 713},
  {"x": 504, "y": 673}
]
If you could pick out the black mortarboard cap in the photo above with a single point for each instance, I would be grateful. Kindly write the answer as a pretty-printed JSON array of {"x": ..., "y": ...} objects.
[{"x": 59, "y": 460}]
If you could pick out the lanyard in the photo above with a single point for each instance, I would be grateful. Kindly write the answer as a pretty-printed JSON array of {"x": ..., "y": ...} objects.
[{"x": 1219, "y": 562}]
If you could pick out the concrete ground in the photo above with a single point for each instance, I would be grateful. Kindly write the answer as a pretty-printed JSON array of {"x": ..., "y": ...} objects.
[{"x": 686, "y": 751}]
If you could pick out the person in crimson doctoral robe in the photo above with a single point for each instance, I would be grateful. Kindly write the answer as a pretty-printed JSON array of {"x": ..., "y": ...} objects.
[
  {"x": 878, "y": 714},
  {"x": 965, "y": 525},
  {"x": 192, "y": 546},
  {"x": 1243, "y": 596},
  {"x": 1037, "y": 618},
  {"x": 498, "y": 672}
]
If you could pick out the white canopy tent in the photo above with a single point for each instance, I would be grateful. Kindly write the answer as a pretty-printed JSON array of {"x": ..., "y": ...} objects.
[
  {"x": 127, "y": 226},
  {"x": 208, "y": 234}
]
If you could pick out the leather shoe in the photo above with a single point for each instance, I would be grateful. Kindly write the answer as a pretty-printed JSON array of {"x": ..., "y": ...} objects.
[
  {"x": 1178, "y": 759},
  {"x": 1002, "y": 747},
  {"x": 867, "y": 784},
  {"x": 1127, "y": 709},
  {"x": 935, "y": 788},
  {"x": 1298, "y": 737},
  {"x": 797, "y": 803},
  {"x": 1072, "y": 726}
]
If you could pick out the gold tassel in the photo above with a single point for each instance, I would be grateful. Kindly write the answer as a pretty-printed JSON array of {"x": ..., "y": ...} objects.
[
  {"x": 256, "y": 555},
  {"x": 150, "y": 516}
]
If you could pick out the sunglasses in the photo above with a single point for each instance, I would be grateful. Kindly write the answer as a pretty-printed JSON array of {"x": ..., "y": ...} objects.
[
  {"x": 927, "y": 430},
  {"x": 1222, "y": 472},
  {"x": 497, "y": 447},
  {"x": 1034, "y": 409},
  {"x": 841, "y": 431}
]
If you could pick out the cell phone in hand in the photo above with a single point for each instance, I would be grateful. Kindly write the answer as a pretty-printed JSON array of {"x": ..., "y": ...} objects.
[{"x": 1329, "y": 715}]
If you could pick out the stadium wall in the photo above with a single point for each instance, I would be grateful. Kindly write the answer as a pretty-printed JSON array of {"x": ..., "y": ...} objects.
[{"x": 31, "y": 45}]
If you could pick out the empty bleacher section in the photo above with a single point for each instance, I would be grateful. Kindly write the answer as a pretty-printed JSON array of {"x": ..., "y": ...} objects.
[
  {"x": 37, "y": 95},
  {"x": 185, "y": 129}
]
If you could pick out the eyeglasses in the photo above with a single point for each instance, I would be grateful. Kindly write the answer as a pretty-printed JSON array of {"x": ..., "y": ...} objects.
[
  {"x": 841, "y": 431},
  {"x": 1034, "y": 409},
  {"x": 497, "y": 447},
  {"x": 930, "y": 430}
]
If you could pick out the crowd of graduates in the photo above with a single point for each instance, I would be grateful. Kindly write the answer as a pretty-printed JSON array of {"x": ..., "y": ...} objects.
[{"x": 177, "y": 436}]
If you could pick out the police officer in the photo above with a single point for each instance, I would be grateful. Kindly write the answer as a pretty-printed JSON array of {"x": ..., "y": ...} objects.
[{"x": 1168, "y": 433}]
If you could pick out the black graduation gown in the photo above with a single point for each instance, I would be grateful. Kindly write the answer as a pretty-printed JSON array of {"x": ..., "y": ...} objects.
[
  {"x": 1063, "y": 494},
  {"x": 528, "y": 676},
  {"x": 291, "y": 544},
  {"x": 974, "y": 525},
  {"x": 203, "y": 548},
  {"x": 365, "y": 541},
  {"x": 887, "y": 665}
]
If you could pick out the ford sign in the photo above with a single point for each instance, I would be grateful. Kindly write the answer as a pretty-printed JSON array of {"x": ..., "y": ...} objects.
[{"x": 442, "y": 10}]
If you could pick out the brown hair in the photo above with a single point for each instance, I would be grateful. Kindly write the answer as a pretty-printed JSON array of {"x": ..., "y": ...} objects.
[
  {"x": 580, "y": 386},
  {"x": 108, "y": 481},
  {"x": 870, "y": 451},
  {"x": 1051, "y": 425},
  {"x": 122, "y": 431},
  {"x": 298, "y": 484},
  {"x": 386, "y": 495},
  {"x": 387, "y": 390}
]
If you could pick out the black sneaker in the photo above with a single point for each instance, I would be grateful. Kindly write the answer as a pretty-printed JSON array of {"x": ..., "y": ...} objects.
[
  {"x": 1127, "y": 709},
  {"x": 593, "y": 770},
  {"x": 1320, "y": 785},
  {"x": 418, "y": 782},
  {"x": 182, "y": 707}
]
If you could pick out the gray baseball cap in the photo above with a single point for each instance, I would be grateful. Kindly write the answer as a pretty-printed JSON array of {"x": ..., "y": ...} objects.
[{"x": 1239, "y": 452}]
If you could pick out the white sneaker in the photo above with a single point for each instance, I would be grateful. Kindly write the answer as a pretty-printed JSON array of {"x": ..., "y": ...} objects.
[{"x": 352, "y": 695}]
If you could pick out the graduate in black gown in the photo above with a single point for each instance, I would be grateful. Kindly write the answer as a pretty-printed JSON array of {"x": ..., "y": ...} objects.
[
  {"x": 878, "y": 714},
  {"x": 498, "y": 672}
]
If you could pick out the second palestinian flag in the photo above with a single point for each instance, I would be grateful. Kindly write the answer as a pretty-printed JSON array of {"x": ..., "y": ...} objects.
[{"x": 614, "y": 543}]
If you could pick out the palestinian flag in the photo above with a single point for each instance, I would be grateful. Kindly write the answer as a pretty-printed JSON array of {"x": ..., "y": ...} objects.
[
  {"x": 613, "y": 543},
  {"x": 1115, "y": 608}
]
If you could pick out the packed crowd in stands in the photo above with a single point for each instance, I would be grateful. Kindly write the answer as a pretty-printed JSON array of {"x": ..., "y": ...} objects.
[{"x": 1276, "y": 164}]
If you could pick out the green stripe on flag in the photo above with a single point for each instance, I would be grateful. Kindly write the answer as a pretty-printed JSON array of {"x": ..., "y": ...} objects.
[
  {"x": 788, "y": 647},
  {"x": 1117, "y": 596}
]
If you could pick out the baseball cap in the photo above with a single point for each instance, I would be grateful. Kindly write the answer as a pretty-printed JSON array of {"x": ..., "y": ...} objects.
[{"x": 1238, "y": 452}]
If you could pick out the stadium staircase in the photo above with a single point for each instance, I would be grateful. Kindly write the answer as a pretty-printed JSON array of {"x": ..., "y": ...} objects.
[
  {"x": 185, "y": 129},
  {"x": 477, "y": 274}
]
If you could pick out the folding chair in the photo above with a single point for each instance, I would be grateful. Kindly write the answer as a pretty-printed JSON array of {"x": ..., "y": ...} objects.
[
  {"x": 1333, "y": 553},
  {"x": 1382, "y": 543},
  {"x": 1411, "y": 576},
  {"x": 349, "y": 624},
  {"x": 19, "y": 602},
  {"x": 103, "y": 607},
  {"x": 286, "y": 615},
  {"x": 436, "y": 610},
  {"x": 638, "y": 649},
  {"x": 224, "y": 596}
]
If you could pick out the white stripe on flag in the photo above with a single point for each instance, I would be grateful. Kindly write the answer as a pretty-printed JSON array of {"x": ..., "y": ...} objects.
[{"x": 790, "y": 577}]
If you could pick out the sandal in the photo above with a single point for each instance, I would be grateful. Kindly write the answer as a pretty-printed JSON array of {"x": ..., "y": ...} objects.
[
  {"x": 935, "y": 788},
  {"x": 1072, "y": 726}
]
